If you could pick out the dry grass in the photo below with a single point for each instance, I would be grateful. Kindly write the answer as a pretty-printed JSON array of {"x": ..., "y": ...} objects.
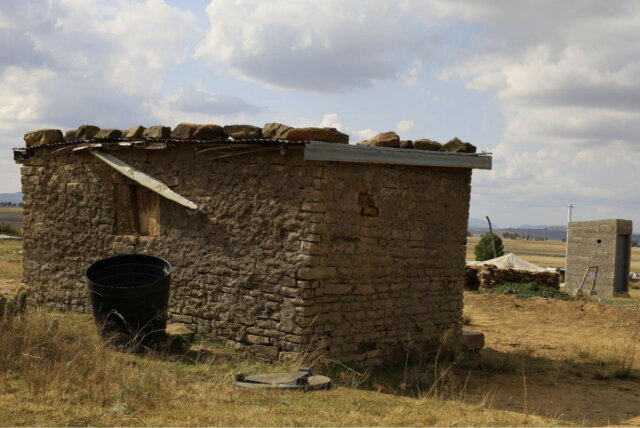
[
  {"x": 467, "y": 319},
  {"x": 12, "y": 216},
  {"x": 54, "y": 371},
  {"x": 609, "y": 359},
  {"x": 11, "y": 259}
]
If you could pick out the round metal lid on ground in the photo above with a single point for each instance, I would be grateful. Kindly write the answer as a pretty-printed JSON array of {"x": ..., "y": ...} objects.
[{"x": 303, "y": 380}]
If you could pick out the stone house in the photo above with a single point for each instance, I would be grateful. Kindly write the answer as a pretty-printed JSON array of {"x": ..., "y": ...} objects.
[
  {"x": 282, "y": 240},
  {"x": 599, "y": 257}
]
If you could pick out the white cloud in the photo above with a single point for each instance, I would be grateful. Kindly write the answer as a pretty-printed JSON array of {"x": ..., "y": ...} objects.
[
  {"x": 412, "y": 76},
  {"x": 197, "y": 104},
  {"x": 64, "y": 63},
  {"x": 568, "y": 80},
  {"x": 91, "y": 60},
  {"x": 333, "y": 120},
  {"x": 318, "y": 45},
  {"x": 404, "y": 126}
]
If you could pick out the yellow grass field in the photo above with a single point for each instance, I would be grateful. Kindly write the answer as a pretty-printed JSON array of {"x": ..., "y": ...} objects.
[
  {"x": 12, "y": 216},
  {"x": 543, "y": 253}
]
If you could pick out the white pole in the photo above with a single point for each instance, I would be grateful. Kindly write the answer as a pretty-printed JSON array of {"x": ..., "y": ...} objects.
[{"x": 566, "y": 251}]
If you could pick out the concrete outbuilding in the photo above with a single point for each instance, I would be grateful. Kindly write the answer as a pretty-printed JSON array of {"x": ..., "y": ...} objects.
[{"x": 598, "y": 257}]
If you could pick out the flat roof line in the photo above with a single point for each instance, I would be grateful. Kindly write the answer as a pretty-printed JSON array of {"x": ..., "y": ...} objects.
[{"x": 319, "y": 151}]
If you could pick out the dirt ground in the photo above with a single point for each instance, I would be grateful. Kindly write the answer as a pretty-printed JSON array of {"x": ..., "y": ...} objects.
[{"x": 551, "y": 332}]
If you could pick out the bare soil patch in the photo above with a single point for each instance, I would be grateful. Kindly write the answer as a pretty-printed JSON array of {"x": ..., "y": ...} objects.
[{"x": 549, "y": 334}]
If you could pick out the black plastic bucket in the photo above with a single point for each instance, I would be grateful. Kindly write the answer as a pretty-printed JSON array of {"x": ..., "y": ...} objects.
[{"x": 129, "y": 296}]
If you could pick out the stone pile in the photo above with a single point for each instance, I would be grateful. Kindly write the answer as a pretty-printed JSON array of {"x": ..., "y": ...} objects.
[
  {"x": 489, "y": 276},
  {"x": 190, "y": 131},
  {"x": 391, "y": 139}
]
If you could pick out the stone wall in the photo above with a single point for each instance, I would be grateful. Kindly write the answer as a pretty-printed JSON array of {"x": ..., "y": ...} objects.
[
  {"x": 595, "y": 243},
  {"x": 358, "y": 262},
  {"x": 386, "y": 259},
  {"x": 490, "y": 276}
]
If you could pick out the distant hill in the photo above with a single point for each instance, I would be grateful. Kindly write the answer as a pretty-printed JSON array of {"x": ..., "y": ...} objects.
[
  {"x": 477, "y": 223},
  {"x": 11, "y": 197},
  {"x": 550, "y": 227},
  {"x": 557, "y": 233},
  {"x": 552, "y": 233}
]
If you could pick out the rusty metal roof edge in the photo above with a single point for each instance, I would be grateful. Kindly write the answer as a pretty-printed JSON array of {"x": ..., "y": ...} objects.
[
  {"x": 313, "y": 150},
  {"x": 174, "y": 141},
  {"x": 320, "y": 151}
]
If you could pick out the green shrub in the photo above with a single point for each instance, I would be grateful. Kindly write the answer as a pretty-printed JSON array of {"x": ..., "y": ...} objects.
[
  {"x": 529, "y": 289},
  {"x": 15, "y": 306},
  {"x": 484, "y": 249}
]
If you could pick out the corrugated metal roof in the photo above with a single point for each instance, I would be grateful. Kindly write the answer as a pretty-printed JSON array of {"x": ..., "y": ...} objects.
[
  {"x": 147, "y": 143},
  {"x": 313, "y": 150},
  {"x": 319, "y": 151}
]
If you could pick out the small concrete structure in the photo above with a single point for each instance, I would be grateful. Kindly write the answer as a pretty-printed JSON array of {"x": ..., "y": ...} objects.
[{"x": 598, "y": 257}]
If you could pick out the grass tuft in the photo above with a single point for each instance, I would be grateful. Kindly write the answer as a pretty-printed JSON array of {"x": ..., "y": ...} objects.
[
  {"x": 610, "y": 360},
  {"x": 467, "y": 319}
]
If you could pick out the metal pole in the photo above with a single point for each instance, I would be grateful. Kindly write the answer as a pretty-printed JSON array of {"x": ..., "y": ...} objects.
[
  {"x": 566, "y": 247},
  {"x": 493, "y": 244}
]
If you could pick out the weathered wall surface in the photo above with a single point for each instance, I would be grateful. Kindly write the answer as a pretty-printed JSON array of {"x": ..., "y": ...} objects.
[
  {"x": 385, "y": 272},
  {"x": 593, "y": 243},
  {"x": 358, "y": 262}
]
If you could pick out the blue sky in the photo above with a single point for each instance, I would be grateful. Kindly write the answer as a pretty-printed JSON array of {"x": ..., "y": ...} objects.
[{"x": 551, "y": 88}]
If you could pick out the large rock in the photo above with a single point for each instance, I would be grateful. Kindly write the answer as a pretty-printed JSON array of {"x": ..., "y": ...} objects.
[
  {"x": 43, "y": 136},
  {"x": 135, "y": 132},
  {"x": 209, "y": 132},
  {"x": 426, "y": 144},
  {"x": 406, "y": 144},
  {"x": 184, "y": 131},
  {"x": 108, "y": 133},
  {"x": 383, "y": 139},
  {"x": 275, "y": 130},
  {"x": 339, "y": 137},
  {"x": 457, "y": 146},
  {"x": 71, "y": 136},
  {"x": 243, "y": 132},
  {"x": 86, "y": 132},
  {"x": 158, "y": 131},
  {"x": 328, "y": 135}
]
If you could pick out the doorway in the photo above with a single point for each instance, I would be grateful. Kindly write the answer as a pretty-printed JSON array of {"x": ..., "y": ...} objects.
[{"x": 623, "y": 258}]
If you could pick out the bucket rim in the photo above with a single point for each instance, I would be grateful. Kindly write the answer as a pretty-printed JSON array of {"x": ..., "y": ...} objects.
[{"x": 95, "y": 265}]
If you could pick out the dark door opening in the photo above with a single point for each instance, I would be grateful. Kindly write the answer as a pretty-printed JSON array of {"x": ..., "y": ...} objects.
[{"x": 623, "y": 255}]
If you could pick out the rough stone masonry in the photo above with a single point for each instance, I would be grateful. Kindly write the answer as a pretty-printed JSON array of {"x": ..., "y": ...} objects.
[{"x": 357, "y": 260}]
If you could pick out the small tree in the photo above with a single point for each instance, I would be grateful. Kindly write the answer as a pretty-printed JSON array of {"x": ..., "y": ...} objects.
[{"x": 484, "y": 249}]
